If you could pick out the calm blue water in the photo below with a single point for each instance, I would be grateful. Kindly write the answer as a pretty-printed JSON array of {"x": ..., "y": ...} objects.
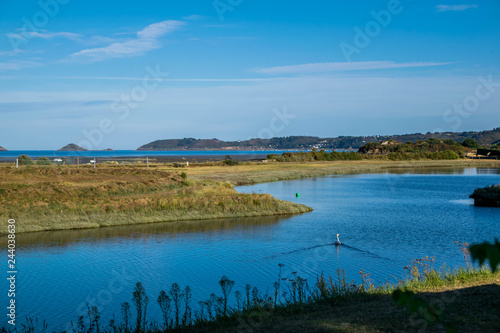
[
  {"x": 384, "y": 220},
  {"x": 132, "y": 153}
]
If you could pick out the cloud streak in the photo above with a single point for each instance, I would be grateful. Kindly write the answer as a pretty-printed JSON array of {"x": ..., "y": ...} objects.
[
  {"x": 18, "y": 64},
  {"x": 454, "y": 8},
  {"x": 146, "y": 40},
  {"x": 121, "y": 78},
  {"x": 51, "y": 35},
  {"x": 42, "y": 34},
  {"x": 342, "y": 67}
]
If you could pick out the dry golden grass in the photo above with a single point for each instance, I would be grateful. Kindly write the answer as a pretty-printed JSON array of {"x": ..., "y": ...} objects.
[{"x": 55, "y": 198}]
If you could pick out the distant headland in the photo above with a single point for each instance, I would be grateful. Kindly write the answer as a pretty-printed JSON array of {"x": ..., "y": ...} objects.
[
  {"x": 72, "y": 147},
  {"x": 484, "y": 138},
  {"x": 2, "y": 149}
]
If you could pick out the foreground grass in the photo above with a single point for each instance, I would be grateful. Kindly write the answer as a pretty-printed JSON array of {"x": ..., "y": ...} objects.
[
  {"x": 468, "y": 300},
  {"x": 253, "y": 173},
  {"x": 56, "y": 198}
]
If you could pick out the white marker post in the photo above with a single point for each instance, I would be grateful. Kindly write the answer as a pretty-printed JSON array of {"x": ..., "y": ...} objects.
[{"x": 17, "y": 163}]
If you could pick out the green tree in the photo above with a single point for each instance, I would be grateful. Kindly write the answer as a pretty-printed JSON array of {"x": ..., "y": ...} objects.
[
  {"x": 25, "y": 160},
  {"x": 470, "y": 143}
]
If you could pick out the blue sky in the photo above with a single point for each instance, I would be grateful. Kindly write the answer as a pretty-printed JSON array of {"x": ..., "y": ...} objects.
[{"x": 120, "y": 74}]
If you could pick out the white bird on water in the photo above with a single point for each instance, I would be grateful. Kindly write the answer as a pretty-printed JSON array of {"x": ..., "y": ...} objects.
[{"x": 337, "y": 243}]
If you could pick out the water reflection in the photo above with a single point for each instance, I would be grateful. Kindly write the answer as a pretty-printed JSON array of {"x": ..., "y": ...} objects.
[
  {"x": 436, "y": 171},
  {"x": 488, "y": 171},
  {"x": 63, "y": 238}
]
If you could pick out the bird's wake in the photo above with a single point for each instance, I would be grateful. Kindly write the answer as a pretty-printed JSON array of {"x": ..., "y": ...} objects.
[{"x": 343, "y": 245}]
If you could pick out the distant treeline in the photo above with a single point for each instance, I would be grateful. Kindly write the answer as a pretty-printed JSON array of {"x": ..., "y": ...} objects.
[
  {"x": 485, "y": 138},
  {"x": 432, "y": 149}
]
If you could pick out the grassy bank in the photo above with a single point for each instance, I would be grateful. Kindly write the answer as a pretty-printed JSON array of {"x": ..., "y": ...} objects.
[
  {"x": 253, "y": 173},
  {"x": 468, "y": 300},
  {"x": 55, "y": 198}
]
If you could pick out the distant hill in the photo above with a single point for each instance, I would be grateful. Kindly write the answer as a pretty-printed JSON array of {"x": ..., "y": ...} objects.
[
  {"x": 485, "y": 138},
  {"x": 432, "y": 145},
  {"x": 2, "y": 149},
  {"x": 72, "y": 147}
]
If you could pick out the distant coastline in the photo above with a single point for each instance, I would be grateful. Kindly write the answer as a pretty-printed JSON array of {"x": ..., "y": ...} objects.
[{"x": 485, "y": 138}]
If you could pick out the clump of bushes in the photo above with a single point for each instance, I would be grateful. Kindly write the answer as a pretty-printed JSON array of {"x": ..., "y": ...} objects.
[
  {"x": 315, "y": 155},
  {"x": 228, "y": 160},
  {"x": 488, "y": 196},
  {"x": 43, "y": 161}
]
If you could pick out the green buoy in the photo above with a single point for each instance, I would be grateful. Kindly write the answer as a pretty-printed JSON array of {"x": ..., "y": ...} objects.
[{"x": 297, "y": 195}]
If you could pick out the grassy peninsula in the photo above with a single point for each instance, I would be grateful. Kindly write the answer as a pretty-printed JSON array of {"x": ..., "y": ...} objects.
[{"x": 56, "y": 198}]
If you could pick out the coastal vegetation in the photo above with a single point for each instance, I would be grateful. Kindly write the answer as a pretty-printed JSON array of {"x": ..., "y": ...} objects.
[
  {"x": 430, "y": 149},
  {"x": 488, "y": 196},
  {"x": 62, "y": 197},
  {"x": 26, "y": 160},
  {"x": 420, "y": 147}
]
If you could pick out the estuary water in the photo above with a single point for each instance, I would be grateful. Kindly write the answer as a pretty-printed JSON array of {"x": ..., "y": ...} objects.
[{"x": 384, "y": 220}]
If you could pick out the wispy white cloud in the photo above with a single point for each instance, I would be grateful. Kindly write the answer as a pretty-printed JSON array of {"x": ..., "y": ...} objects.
[
  {"x": 43, "y": 34},
  {"x": 147, "y": 39},
  {"x": 18, "y": 64},
  {"x": 342, "y": 66},
  {"x": 51, "y": 35},
  {"x": 454, "y": 8}
]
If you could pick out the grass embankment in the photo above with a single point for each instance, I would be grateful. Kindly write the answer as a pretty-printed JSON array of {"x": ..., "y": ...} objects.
[
  {"x": 468, "y": 300},
  {"x": 253, "y": 173},
  {"x": 55, "y": 198}
]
